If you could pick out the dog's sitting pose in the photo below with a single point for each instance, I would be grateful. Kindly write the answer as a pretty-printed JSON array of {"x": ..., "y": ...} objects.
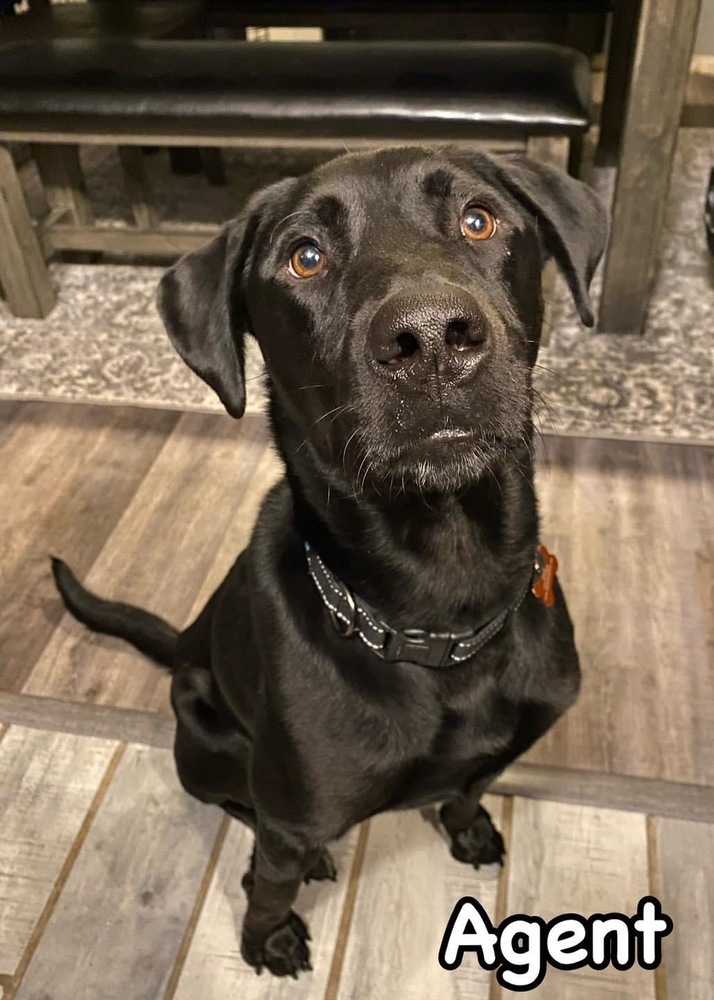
[{"x": 391, "y": 636}]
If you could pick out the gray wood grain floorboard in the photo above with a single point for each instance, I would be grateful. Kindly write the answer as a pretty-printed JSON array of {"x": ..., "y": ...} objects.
[
  {"x": 576, "y": 859},
  {"x": 47, "y": 782},
  {"x": 68, "y": 473},
  {"x": 266, "y": 470},
  {"x": 631, "y": 526},
  {"x": 614, "y": 791},
  {"x": 152, "y": 729},
  {"x": 407, "y": 889},
  {"x": 117, "y": 927},
  {"x": 156, "y": 557},
  {"x": 685, "y": 859}
]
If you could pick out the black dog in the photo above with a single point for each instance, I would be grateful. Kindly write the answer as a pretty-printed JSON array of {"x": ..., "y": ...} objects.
[{"x": 381, "y": 643}]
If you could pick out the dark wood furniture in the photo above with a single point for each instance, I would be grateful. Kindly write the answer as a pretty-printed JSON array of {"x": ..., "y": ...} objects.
[
  {"x": 651, "y": 43},
  {"x": 661, "y": 58},
  {"x": 56, "y": 95},
  {"x": 649, "y": 56}
]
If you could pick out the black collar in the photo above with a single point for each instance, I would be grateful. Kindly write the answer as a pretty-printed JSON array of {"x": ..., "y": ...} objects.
[{"x": 353, "y": 617}]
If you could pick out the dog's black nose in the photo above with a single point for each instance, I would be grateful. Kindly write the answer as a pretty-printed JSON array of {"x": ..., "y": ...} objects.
[{"x": 445, "y": 331}]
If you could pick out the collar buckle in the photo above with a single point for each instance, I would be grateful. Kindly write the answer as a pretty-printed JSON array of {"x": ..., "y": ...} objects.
[{"x": 428, "y": 649}]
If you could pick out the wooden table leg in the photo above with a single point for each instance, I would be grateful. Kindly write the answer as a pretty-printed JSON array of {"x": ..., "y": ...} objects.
[
  {"x": 23, "y": 273},
  {"x": 621, "y": 50},
  {"x": 663, "y": 51}
]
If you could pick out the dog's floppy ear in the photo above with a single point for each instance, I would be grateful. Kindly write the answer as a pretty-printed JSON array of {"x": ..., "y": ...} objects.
[
  {"x": 201, "y": 302},
  {"x": 571, "y": 220}
]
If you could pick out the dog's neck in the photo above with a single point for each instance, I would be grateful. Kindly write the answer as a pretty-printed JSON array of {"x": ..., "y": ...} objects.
[{"x": 442, "y": 562}]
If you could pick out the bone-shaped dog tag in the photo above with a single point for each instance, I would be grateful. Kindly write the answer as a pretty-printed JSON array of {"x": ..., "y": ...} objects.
[{"x": 543, "y": 588}]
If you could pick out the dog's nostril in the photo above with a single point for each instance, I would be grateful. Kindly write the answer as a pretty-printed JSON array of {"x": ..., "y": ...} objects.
[
  {"x": 394, "y": 349},
  {"x": 407, "y": 343},
  {"x": 403, "y": 346},
  {"x": 461, "y": 335}
]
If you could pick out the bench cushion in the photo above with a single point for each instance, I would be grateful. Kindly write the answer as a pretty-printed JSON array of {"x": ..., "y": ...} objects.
[{"x": 445, "y": 89}]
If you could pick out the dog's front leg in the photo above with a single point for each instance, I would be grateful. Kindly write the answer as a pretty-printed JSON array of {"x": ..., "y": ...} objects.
[
  {"x": 474, "y": 838},
  {"x": 274, "y": 936}
]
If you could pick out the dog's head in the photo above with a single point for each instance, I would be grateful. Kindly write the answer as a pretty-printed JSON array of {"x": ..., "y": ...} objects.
[{"x": 396, "y": 297}]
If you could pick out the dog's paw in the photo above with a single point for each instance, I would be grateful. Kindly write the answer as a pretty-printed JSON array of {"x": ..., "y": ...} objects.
[
  {"x": 324, "y": 869},
  {"x": 480, "y": 843},
  {"x": 284, "y": 952}
]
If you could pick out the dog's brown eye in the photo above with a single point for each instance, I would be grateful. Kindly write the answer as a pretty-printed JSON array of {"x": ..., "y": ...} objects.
[
  {"x": 477, "y": 224},
  {"x": 306, "y": 261}
]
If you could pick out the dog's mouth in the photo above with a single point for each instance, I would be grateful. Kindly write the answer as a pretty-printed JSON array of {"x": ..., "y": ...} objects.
[
  {"x": 444, "y": 442},
  {"x": 446, "y": 459},
  {"x": 452, "y": 434}
]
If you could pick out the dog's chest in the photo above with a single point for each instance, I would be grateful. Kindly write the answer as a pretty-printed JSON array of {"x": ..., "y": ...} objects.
[
  {"x": 464, "y": 749},
  {"x": 456, "y": 757},
  {"x": 463, "y": 735}
]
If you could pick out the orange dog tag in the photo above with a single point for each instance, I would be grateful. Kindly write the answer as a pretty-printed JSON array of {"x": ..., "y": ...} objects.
[{"x": 543, "y": 587}]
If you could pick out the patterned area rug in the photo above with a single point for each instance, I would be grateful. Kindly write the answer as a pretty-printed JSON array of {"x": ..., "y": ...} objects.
[{"x": 104, "y": 341}]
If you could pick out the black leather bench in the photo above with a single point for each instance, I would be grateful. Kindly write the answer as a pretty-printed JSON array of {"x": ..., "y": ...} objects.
[
  {"x": 59, "y": 94},
  {"x": 333, "y": 89}
]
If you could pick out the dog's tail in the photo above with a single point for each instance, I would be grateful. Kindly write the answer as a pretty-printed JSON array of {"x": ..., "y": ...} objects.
[{"x": 150, "y": 634}]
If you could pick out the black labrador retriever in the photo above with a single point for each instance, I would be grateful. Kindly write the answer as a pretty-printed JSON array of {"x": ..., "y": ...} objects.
[{"x": 393, "y": 635}]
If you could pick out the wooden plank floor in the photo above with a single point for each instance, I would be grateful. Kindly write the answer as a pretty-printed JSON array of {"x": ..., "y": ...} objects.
[
  {"x": 152, "y": 507},
  {"x": 408, "y": 885},
  {"x": 117, "y": 884},
  {"x": 47, "y": 784},
  {"x": 632, "y": 526},
  {"x": 68, "y": 474},
  {"x": 118, "y": 922},
  {"x": 577, "y": 859},
  {"x": 158, "y": 554}
]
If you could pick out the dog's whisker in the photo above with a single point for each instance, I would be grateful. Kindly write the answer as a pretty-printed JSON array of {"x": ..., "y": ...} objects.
[
  {"x": 550, "y": 371},
  {"x": 378, "y": 491},
  {"x": 292, "y": 215},
  {"x": 540, "y": 417},
  {"x": 544, "y": 455},
  {"x": 318, "y": 385},
  {"x": 344, "y": 450},
  {"x": 337, "y": 410},
  {"x": 365, "y": 459}
]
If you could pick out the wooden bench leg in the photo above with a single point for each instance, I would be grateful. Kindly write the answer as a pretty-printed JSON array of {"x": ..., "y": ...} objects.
[
  {"x": 138, "y": 187},
  {"x": 556, "y": 151},
  {"x": 23, "y": 272},
  {"x": 63, "y": 180}
]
